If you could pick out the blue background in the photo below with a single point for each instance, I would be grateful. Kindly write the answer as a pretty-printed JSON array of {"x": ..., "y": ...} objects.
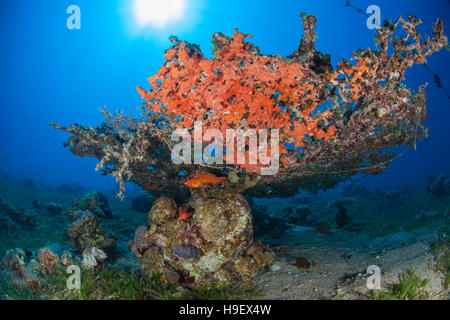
[{"x": 50, "y": 73}]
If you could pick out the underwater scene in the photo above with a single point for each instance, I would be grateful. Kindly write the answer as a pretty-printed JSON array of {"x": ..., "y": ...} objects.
[{"x": 224, "y": 150}]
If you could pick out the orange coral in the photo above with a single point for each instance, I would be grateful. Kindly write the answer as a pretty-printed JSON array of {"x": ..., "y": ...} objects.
[{"x": 238, "y": 88}]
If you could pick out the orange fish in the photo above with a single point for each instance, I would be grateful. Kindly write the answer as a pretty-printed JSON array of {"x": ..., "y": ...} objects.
[
  {"x": 183, "y": 213},
  {"x": 200, "y": 178}
]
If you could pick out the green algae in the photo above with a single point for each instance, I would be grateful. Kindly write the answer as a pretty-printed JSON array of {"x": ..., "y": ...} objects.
[
  {"x": 411, "y": 286},
  {"x": 441, "y": 251},
  {"x": 112, "y": 283}
]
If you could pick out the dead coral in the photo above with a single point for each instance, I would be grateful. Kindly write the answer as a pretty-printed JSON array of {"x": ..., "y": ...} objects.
[
  {"x": 85, "y": 230},
  {"x": 17, "y": 269},
  {"x": 48, "y": 260}
]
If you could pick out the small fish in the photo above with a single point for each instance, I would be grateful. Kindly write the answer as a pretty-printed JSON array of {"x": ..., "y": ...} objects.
[
  {"x": 184, "y": 213},
  {"x": 201, "y": 178}
]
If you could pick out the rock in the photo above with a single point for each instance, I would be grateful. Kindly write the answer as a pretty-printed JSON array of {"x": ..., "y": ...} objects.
[
  {"x": 172, "y": 277},
  {"x": 29, "y": 183},
  {"x": 54, "y": 208},
  {"x": 247, "y": 286},
  {"x": 74, "y": 212},
  {"x": 48, "y": 260},
  {"x": 18, "y": 271},
  {"x": 66, "y": 258},
  {"x": 141, "y": 241},
  {"x": 23, "y": 274},
  {"x": 355, "y": 188},
  {"x": 446, "y": 213},
  {"x": 342, "y": 219},
  {"x": 16, "y": 268},
  {"x": 186, "y": 252},
  {"x": 265, "y": 225},
  {"x": 300, "y": 217},
  {"x": 93, "y": 257},
  {"x": 37, "y": 204},
  {"x": 57, "y": 248},
  {"x": 163, "y": 209},
  {"x": 6, "y": 224},
  {"x": 439, "y": 186},
  {"x": 303, "y": 211},
  {"x": 302, "y": 263},
  {"x": 31, "y": 281},
  {"x": 142, "y": 202},
  {"x": 14, "y": 261},
  {"x": 392, "y": 194},
  {"x": 287, "y": 211},
  {"x": 26, "y": 217},
  {"x": 214, "y": 246},
  {"x": 341, "y": 201},
  {"x": 86, "y": 232},
  {"x": 97, "y": 203},
  {"x": 428, "y": 215},
  {"x": 275, "y": 266},
  {"x": 69, "y": 189},
  {"x": 322, "y": 227},
  {"x": 21, "y": 216},
  {"x": 221, "y": 219}
]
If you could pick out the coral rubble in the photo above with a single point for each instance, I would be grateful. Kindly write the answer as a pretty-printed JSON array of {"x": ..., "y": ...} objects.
[{"x": 85, "y": 230}]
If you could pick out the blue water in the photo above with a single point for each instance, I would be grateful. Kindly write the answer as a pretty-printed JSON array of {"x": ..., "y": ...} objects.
[{"x": 51, "y": 73}]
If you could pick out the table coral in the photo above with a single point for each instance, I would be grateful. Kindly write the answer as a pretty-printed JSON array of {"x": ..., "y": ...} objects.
[
  {"x": 328, "y": 123},
  {"x": 333, "y": 122}
]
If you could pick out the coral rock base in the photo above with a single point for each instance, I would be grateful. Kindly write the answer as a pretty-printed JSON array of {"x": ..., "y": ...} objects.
[{"x": 209, "y": 241}]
